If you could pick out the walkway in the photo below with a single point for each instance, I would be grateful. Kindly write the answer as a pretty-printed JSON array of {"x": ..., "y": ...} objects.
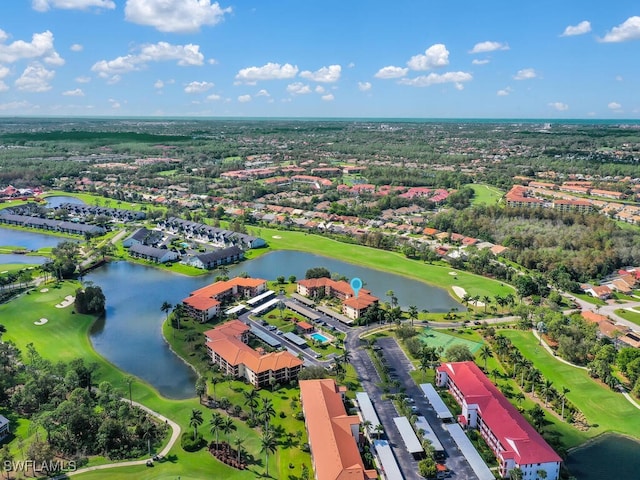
[{"x": 175, "y": 434}]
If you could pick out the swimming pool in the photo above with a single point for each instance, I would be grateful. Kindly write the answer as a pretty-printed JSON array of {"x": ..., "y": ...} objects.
[{"x": 319, "y": 337}]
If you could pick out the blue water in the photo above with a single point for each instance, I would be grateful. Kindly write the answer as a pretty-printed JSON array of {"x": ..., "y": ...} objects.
[
  {"x": 28, "y": 240},
  {"x": 15, "y": 258},
  {"x": 57, "y": 200},
  {"x": 318, "y": 337}
]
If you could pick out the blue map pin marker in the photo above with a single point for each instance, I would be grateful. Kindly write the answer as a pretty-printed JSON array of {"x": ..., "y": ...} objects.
[{"x": 356, "y": 285}]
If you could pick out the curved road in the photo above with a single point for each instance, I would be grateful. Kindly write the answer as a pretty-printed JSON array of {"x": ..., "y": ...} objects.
[{"x": 175, "y": 434}]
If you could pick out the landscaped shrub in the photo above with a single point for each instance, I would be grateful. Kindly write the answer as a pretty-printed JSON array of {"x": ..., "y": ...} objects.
[{"x": 188, "y": 443}]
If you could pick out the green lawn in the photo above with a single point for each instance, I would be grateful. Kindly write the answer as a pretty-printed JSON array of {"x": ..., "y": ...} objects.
[
  {"x": 436, "y": 338},
  {"x": 632, "y": 316},
  {"x": 603, "y": 407},
  {"x": 391, "y": 262},
  {"x": 66, "y": 336},
  {"x": 485, "y": 194},
  {"x": 15, "y": 267}
]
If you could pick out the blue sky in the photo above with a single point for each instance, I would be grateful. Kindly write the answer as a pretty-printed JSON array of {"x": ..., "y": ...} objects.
[{"x": 305, "y": 58}]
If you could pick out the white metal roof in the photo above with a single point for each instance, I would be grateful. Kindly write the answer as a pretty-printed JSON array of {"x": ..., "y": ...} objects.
[
  {"x": 409, "y": 437},
  {"x": 470, "y": 453},
  {"x": 436, "y": 402}
]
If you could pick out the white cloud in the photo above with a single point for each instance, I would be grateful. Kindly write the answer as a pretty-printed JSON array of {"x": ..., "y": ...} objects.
[
  {"x": 364, "y": 86},
  {"x": 504, "y": 92},
  {"x": 76, "y": 47},
  {"x": 579, "y": 29},
  {"x": 391, "y": 72},
  {"x": 614, "y": 106},
  {"x": 298, "y": 88},
  {"x": 3, "y": 88},
  {"x": 45, "y": 5},
  {"x": 3, "y": 36},
  {"x": 263, "y": 93},
  {"x": 114, "y": 103},
  {"x": 214, "y": 97},
  {"x": 436, "y": 78},
  {"x": 198, "y": 87},
  {"x": 525, "y": 74},
  {"x": 435, "y": 56},
  {"x": 328, "y": 74},
  {"x": 35, "y": 78},
  {"x": 628, "y": 30},
  {"x": 476, "y": 61},
  {"x": 244, "y": 98},
  {"x": 74, "y": 93},
  {"x": 328, "y": 97},
  {"x": 41, "y": 46},
  {"x": 159, "y": 84},
  {"x": 270, "y": 71},
  {"x": 4, "y": 71},
  {"x": 319, "y": 89},
  {"x": 175, "y": 16},
  {"x": 186, "y": 55},
  {"x": 18, "y": 106},
  {"x": 488, "y": 46},
  {"x": 83, "y": 79},
  {"x": 559, "y": 106}
]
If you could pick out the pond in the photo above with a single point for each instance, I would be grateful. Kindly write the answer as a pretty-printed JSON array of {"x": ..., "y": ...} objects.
[
  {"x": 15, "y": 258},
  {"x": 407, "y": 290},
  {"x": 28, "y": 240},
  {"x": 57, "y": 200},
  {"x": 608, "y": 456}
]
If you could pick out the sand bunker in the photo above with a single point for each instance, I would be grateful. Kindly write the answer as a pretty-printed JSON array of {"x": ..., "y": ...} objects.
[
  {"x": 42, "y": 321},
  {"x": 461, "y": 292},
  {"x": 277, "y": 237},
  {"x": 453, "y": 273},
  {"x": 68, "y": 300},
  {"x": 44, "y": 290}
]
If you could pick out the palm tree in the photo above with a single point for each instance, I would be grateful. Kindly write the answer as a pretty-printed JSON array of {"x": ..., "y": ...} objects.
[
  {"x": 466, "y": 298},
  {"x": 519, "y": 397},
  {"x": 486, "y": 299},
  {"x": 251, "y": 400},
  {"x": 166, "y": 307},
  {"x": 366, "y": 426},
  {"x": 516, "y": 474},
  {"x": 268, "y": 444},
  {"x": 214, "y": 381},
  {"x": 195, "y": 421},
  {"x": 267, "y": 412},
  {"x": 534, "y": 376},
  {"x": 129, "y": 380},
  {"x": 425, "y": 363},
  {"x": 227, "y": 427},
  {"x": 546, "y": 387},
  {"x": 537, "y": 416},
  {"x": 565, "y": 390},
  {"x": 3, "y": 330},
  {"x": 238, "y": 444},
  {"x": 379, "y": 430},
  {"x": 392, "y": 298},
  {"x": 345, "y": 356},
  {"x": 201, "y": 387},
  {"x": 413, "y": 313},
  {"x": 485, "y": 354},
  {"x": 215, "y": 425}
]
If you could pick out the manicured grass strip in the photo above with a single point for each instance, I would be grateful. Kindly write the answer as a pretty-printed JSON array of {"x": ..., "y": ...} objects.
[
  {"x": 603, "y": 407},
  {"x": 14, "y": 267},
  {"x": 435, "y": 338},
  {"x": 485, "y": 194},
  {"x": 630, "y": 315}
]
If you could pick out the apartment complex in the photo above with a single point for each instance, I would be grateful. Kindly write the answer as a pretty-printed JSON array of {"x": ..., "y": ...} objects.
[
  {"x": 352, "y": 306},
  {"x": 228, "y": 347},
  {"x": 512, "y": 439},
  {"x": 333, "y": 435},
  {"x": 205, "y": 303}
]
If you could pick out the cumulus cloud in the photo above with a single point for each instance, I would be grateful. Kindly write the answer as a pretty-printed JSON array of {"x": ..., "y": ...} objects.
[
  {"x": 579, "y": 29},
  {"x": 158, "y": 84},
  {"x": 83, "y": 79},
  {"x": 198, "y": 87},
  {"x": 45, "y": 5},
  {"x": 185, "y": 55},
  {"x": 35, "y": 78},
  {"x": 76, "y": 47},
  {"x": 4, "y": 71},
  {"x": 263, "y": 93},
  {"x": 328, "y": 97},
  {"x": 488, "y": 46},
  {"x": 328, "y": 74},
  {"x": 476, "y": 61},
  {"x": 214, "y": 97},
  {"x": 3, "y": 87},
  {"x": 298, "y": 88},
  {"x": 41, "y": 47},
  {"x": 559, "y": 106},
  {"x": 244, "y": 98},
  {"x": 458, "y": 78},
  {"x": 525, "y": 74},
  {"x": 270, "y": 71},
  {"x": 114, "y": 103},
  {"x": 74, "y": 93},
  {"x": 614, "y": 106},
  {"x": 435, "y": 56},
  {"x": 364, "y": 86},
  {"x": 391, "y": 72},
  {"x": 504, "y": 92},
  {"x": 319, "y": 89},
  {"x": 175, "y": 16},
  {"x": 628, "y": 30}
]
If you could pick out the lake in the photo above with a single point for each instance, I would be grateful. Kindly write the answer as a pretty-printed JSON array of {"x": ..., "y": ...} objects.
[
  {"x": 57, "y": 200},
  {"x": 28, "y": 240},
  {"x": 608, "y": 456},
  {"x": 16, "y": 258}
]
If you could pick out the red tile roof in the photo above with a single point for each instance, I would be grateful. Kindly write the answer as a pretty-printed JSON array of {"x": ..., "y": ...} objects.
[
  {"x": 334, "y": 450},
  {"x": 518, "y": 438}
]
